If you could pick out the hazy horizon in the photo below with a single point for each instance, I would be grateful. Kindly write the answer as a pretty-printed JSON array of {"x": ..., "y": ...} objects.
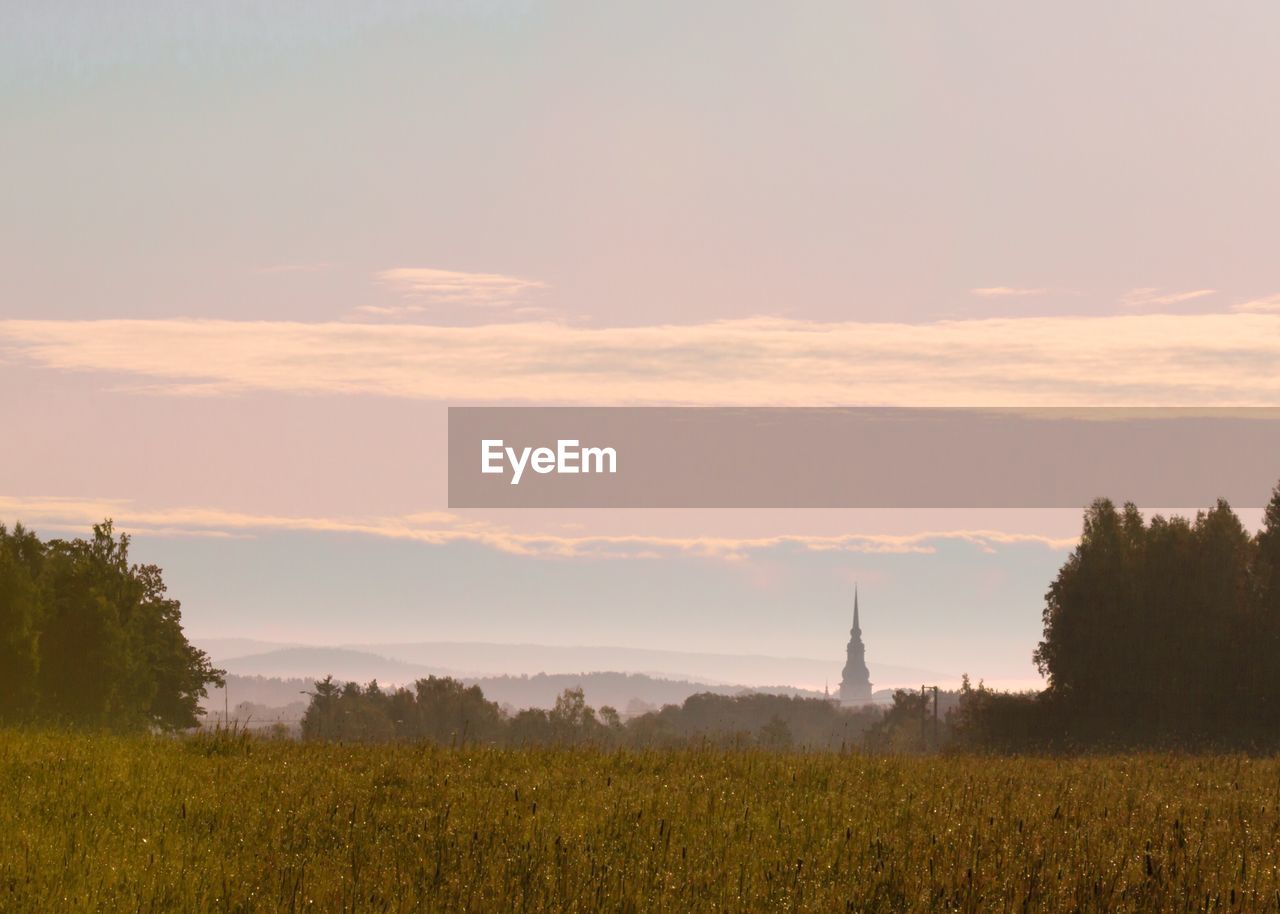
[{"x": 403, "y": 663}]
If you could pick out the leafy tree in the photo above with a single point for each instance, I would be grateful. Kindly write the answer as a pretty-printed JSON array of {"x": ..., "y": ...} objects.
[
  {"x": 1164, "y": 632},
  {"x": 445, "y": 710},
  {"x": 170, "y": 675},
  {"x": 86, "y": 638},
  {"x": 610, "y": 719},
  {"x": 900, "y": 730},
  {"x": 321, "y": 721},
  {"x": 529, "y": 727},
  {"x": 20, "y": 553},
  {"x": 1266, "y": 593},
  {"x": 1088, "y": 617},
  {"x": 776, "y": 734},
  {"x": 572, "y": 720}
]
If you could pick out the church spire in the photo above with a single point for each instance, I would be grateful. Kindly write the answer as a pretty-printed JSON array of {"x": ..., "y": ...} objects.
[{"x": 855, "y": 683}]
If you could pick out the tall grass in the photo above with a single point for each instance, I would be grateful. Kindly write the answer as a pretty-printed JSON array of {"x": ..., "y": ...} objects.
[{"x": 230, "y": 823}]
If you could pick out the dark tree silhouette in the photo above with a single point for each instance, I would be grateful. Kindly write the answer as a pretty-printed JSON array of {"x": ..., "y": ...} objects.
[
  {"x": 1165, "y": 632},
  {"x": 19, "y": 623},
  {"x": 88, "y": 639}
]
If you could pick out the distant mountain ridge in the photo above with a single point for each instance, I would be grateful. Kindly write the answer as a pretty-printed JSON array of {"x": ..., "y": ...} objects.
[
  {"x": 629, "y": 693},
  {"x": 339, "y": 662},
  {"x": 398, "y": 663}
]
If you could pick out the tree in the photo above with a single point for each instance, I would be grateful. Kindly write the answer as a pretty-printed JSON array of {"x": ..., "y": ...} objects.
[
  {"x": 775, "y": 734},
  {"x": 448, "y": 711},
  {"x": 899, "y": 730},
  {"x": 170, "y": 675},
  {"x": 1265, "y": 575},
  {"x": 1165, "y": 631},
  {"x": 84, "y": 659},
  {"x": 572, "y": 720},
  {"x": 1089, "y": 627},
  {"x": 1224, "y": 672},
  {"x": 86, "y": 638},
  {"x": 20, "y": 552},
  {"x": 610, "y": 718},
  {"x": 321, "y": 719}
]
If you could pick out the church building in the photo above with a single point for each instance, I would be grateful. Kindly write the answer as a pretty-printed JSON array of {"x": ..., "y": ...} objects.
[{"x": 855, "y": 683}]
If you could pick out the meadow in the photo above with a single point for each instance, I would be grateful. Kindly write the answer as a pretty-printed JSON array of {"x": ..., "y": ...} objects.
[{"x": 141, "y": 824}]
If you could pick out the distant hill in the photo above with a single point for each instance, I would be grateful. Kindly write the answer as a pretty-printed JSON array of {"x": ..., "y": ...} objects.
[
  {"x": 221, "y": 648},
  {"x": 629, "y": 693},
  {"x": 489, "y": 659},
  {"x": 318, "y": 662},
  {"x": 406, "y": 661}
]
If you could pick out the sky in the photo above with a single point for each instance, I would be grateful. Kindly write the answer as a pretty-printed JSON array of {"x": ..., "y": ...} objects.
[{"x": 249, "y": 254}]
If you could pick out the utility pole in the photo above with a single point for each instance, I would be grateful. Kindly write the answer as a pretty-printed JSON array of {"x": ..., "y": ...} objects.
[
  {"x": 936, "y": 744},
  {"x": 924, "y": 719}
]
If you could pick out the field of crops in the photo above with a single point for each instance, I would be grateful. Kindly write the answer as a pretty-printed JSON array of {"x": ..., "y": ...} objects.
[{"x": 141, "y": 824}]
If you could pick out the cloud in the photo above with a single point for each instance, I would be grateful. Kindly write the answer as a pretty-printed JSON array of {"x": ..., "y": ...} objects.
[
  {"x": 1006, "y": 292},
  {"x": 1146, "y": 297},
  {"x": 1268, "y": 305},
  {"x": 1132, "y": 360},
  {"x": 432, "y": 286},
  {"x": 75, "y": 516}
]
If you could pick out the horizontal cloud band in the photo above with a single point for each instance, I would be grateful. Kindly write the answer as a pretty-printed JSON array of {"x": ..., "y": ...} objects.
[
  {"x": 1154, "y": 359},
  {"x": 71, "y": 515}
]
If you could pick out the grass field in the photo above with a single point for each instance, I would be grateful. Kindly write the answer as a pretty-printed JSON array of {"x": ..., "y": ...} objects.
[{"x": 140, "y": 824}]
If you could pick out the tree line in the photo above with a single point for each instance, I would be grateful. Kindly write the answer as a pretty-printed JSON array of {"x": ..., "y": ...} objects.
[
  {"x": 1161, "y": 632},
  {"x": 444, "y": 710},
  {"x": 88, "y": 639}
]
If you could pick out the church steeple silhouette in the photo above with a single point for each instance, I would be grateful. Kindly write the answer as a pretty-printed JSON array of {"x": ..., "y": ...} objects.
[{"x": 855, "y": 682}]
